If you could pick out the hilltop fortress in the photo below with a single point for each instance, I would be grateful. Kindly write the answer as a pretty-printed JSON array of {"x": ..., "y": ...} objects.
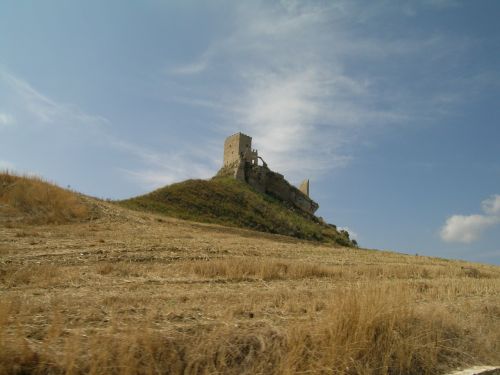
[{"x": 242, "y": 163}]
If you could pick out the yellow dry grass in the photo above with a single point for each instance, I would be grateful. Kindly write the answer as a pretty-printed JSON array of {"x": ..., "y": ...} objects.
[
  {"x": 131, "y": 293},
  {"x": 32, "y": 200}
]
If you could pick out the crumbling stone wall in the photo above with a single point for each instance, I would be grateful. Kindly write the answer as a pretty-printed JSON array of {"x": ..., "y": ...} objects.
[
  {"x": 275, "y": 184},
  {"x": 241, "y": 162}
]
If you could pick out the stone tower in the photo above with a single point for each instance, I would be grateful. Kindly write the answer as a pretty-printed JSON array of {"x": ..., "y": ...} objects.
[{"x": 238, "y": 148}]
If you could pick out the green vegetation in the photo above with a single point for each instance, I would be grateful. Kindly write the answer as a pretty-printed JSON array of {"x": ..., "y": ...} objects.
[{"x": 233, "y": 203}]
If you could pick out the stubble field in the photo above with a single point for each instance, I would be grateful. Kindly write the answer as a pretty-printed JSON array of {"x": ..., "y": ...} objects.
[{"x": 134, "y": 293}]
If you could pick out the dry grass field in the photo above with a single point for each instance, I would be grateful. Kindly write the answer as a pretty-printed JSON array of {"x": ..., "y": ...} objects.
[
  {"x": 33, "y": 200},
  {"x": 136, "y": 293}
]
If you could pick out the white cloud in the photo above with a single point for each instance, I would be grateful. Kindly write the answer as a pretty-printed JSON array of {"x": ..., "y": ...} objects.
[
  {"x": 492, "y": 205},
  {"x": 468, "y": 228},
  {"x": 6, "y": 119}
]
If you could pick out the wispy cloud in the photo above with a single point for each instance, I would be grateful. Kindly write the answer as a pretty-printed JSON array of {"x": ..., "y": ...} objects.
[
  {"x": 492, "y": 205},
  {"x": 288, "y": 74},
  {"x": 47, "y": 110},
  {"x": 151, "y": 178},
  {"x": 192, "y": 68},
  {"x": 283, "y": 77},
  {"x": 161, "y": 168},
  {"x": 468, "y": 228},
  {"x": 6, "y": 119},
  {"x": 35, "y": 108}
]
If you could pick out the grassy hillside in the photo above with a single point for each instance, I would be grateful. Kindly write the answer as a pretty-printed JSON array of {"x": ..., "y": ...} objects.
[
  {"x": 35, "y": 201},
  {"x": 230, "y": 202}
]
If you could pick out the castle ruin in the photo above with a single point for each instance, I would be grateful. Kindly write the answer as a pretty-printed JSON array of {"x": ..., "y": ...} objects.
[{"x": 242, "y": 163}]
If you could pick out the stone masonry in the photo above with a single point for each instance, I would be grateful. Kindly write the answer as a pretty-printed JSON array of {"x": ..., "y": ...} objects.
[{"x": 242, "y": 163}]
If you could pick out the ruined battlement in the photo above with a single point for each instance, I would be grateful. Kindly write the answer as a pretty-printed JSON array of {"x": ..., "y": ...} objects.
[{"x": 242, "y": 163}]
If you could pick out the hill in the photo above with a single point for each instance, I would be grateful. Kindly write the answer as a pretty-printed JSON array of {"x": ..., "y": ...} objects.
[
  {"x": 230, "y": 202},
  {"x": 33, "y": 200}
]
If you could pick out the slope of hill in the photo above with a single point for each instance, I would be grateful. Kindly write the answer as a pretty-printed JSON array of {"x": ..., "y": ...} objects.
[
  {"x": 234, "y": 203},
  {"x": 35, "y": 201}
]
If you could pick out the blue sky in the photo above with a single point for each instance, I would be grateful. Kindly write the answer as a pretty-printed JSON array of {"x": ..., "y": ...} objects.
[{"x": 391, "y": 108}]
